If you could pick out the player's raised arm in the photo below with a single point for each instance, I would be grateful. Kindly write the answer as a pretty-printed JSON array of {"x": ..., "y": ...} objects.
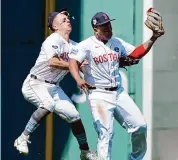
[
  {"x": 143, "y": 49},
  {"x": 154, "y": 22}
]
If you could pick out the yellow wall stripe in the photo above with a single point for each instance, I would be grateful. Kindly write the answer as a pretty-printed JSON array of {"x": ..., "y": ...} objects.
[{"x": 49, "y": 7}]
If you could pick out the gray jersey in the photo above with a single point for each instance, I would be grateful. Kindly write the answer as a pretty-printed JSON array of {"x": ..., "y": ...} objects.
[
  {"x": 103, "y": 68},
  {"x": 54, "y": 45}
]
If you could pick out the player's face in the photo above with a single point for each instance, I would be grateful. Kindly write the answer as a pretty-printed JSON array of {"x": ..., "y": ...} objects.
[
  {"x": 104, "y": 32},
  {"x": 62, "y": 23}
]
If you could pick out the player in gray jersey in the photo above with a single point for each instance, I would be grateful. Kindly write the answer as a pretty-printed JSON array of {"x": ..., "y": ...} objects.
[
  {"x": 41, "y": 87},
  {"x": 106, "y": 97}
]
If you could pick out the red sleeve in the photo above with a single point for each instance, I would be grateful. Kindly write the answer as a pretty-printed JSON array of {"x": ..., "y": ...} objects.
[{"x": 138, "y": 53}]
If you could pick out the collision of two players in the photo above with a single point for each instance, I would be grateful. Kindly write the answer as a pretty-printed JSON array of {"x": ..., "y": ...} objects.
[{"x": 102, "y": 83}]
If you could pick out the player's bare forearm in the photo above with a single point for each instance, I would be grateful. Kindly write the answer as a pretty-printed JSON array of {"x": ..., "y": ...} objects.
[
  {"x": 58, "y": 63},
  {"x": 74, "y": 69},
  {"x": 143, "y": 49}
]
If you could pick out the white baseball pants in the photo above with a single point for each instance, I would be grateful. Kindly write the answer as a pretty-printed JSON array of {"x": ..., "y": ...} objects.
[
  {"x": 107, "y": 105},
  {"x": 51, "y": 97}
]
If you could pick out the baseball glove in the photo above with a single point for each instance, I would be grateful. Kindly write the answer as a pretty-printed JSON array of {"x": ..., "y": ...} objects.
[
  {"x": 154, "y": 21},
  {"x": 126, "y": 61}
]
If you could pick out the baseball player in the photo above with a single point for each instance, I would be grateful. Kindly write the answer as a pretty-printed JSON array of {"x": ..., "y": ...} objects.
[
  {"x": 102, "y": 82},
  {"x": 41, "y": 87}
]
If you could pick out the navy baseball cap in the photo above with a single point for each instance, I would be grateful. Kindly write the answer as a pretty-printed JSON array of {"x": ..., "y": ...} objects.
[
  {"x": 52, "y": 15},
  {"x": 100, "y": 18}
]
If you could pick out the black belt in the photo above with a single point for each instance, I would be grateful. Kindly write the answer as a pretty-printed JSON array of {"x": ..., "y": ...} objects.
[
  {"x": 35, "y": 77},
  {"x": 107, "y": 89}
]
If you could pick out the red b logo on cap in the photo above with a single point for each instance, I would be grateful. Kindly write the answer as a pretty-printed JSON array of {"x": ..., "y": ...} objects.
[{"x": 105, "y": 16}]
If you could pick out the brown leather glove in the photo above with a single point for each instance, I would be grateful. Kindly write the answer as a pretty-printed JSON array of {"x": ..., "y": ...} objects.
[{"x": 154, "y": 21}]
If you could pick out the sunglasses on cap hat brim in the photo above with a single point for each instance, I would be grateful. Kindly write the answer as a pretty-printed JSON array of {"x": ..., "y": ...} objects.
[{"x": 64, "y": 11}]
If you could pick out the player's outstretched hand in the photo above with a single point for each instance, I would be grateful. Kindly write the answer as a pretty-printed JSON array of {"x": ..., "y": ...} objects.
[
  {"x": 84, "y": 85},
  {"x": 154, "y": 22}
]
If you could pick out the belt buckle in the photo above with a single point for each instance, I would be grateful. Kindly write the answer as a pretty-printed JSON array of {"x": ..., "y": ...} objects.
[{"x": 112, "y": 88}]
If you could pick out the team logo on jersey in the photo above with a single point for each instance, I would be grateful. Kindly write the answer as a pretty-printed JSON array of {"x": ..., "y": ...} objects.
[
  {"x": 55, "y": 47},
  {"x": 106, "y": 57},
  {"x": 116, "y": 49}
]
